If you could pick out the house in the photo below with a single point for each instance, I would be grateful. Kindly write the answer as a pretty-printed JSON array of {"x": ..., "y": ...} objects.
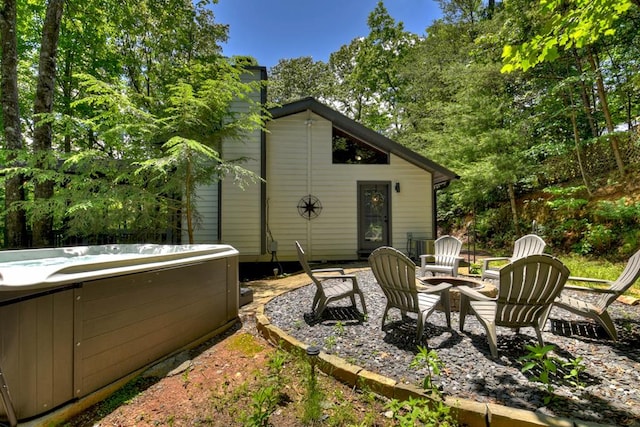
[{"x": 339, "y": 188}]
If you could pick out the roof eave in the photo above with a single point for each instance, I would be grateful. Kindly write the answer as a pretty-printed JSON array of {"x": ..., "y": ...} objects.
[{"x": 441, "y": 175}]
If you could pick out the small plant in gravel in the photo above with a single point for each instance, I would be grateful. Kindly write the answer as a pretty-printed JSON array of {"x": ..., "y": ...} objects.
[
  {"x": 542, "y": 367},
  {"x": 433, "y": 363},
  {"x": 424, "y": 411},
  {"x": 339, "y": 328},
  {"x": 576, "y": 367},
  {"x": 330, "y": 342}
]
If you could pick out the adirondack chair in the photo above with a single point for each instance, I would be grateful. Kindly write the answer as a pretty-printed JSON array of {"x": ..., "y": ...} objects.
[
  {"x": 526, "y": 245},
  {"x": 396, "y": 275},
  {"x": 597, "y": 310},
  {"x": 528, "y": 288},
  {"x": 446, "y": 258},
  {"x": 332, "y": 284}
]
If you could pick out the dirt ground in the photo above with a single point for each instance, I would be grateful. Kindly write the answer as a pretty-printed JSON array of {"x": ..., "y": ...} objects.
[{"x": 237, "y": 378}]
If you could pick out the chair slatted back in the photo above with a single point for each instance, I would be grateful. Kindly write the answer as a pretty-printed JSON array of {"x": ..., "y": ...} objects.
[
  {"x": 627, "y": 278},
  {"x": 302, "y": 259},
  {"x": 528, "y": 287},
  {"x": 447, "y": 249},
  {"x": 528, "y": 245},
  {"x": 396, "y": 275}
]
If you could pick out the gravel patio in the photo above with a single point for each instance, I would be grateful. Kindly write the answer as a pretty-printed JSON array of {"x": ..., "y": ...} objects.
[{"x": 610, "y": 380}]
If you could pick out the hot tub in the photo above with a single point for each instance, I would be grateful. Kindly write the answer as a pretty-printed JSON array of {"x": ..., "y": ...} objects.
[{"x": 73, "y": 320}]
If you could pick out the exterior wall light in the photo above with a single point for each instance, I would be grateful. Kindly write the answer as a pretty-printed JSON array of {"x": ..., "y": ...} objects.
[{"x": 397, "y": 187}]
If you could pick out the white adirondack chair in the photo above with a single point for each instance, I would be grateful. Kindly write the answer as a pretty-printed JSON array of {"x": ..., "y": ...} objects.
[
  {"x": 445, "y": 260},
  {"x": 331, "y": 284},
  {"x": 396, "y": 275},
  {"x": 528, "y": 288},
  {"x": 597, "y": 310},
  {"x": 526, "y": 245}
]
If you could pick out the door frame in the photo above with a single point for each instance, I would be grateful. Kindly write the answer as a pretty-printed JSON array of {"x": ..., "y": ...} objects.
[{"x": 365, "y": 250}]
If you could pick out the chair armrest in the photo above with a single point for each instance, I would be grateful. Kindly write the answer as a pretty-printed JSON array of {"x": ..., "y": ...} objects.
[
  {"x": 585, "y": 289},
  {"x": 588, "y": 279},
  {"x": 429, "y": 289},
  {"x": 329, "y": 270},
  {"x": 486, "y": 261},
  {"x": 473, "y": 294},
  {"x": 338, "y": 276}
]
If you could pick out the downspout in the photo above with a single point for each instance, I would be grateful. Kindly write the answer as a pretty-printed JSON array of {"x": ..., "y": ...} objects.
[{"x": 263, "y": 168}]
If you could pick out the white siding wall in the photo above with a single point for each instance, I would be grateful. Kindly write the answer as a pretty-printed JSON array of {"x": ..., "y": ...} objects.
[
  {"x": 240, "y": 207},
  {"x": 206, "y": 227},
  {"x": 299, "y": 163}
]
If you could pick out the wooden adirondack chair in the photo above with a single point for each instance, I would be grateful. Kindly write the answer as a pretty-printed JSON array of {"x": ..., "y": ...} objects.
[
  {"x": 526, "y": 245},
  {"x": 331, "y": 284},
  {"x": 598, "y": 310},
  {"x": 528, "y": 288},
  {"x": 446, "y": 258},
  {"x": 396, "y": 275}
]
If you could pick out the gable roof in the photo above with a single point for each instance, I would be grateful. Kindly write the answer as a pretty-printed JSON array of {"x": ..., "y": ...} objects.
[{"x": 441, "y": 175}]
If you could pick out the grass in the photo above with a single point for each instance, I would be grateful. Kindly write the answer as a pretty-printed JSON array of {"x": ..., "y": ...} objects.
[{"x": 597, "y": 269}]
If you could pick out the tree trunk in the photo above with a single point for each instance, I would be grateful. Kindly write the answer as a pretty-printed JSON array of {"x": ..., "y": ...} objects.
[
  {"x": 602, "y": 96},
  {"x": 576, "y": 139},
  {"x": 15, "y": 217},
  {"x": 188, "y": 206},
  {"x": 42, "y": 135},
  {"x": 514, "y": 209},
  {"x": 584, "y": 94}
]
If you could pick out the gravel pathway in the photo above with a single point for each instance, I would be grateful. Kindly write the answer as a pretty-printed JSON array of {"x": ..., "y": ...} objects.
[{"x": 612, "y": 369}]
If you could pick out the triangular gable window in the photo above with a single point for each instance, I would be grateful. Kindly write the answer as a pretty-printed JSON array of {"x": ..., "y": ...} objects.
[{"x": 349, "y": 150}]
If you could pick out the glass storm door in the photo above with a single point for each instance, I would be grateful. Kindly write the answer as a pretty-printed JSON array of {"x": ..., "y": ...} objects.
[{"x": 373, "y": 216}]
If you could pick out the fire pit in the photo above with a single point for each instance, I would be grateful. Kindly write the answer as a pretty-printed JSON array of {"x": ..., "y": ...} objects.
[{"x": 485, "y": 288}]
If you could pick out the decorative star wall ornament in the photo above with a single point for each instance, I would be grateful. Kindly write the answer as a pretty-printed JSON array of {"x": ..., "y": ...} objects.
[{"x": 309, "y": 207}]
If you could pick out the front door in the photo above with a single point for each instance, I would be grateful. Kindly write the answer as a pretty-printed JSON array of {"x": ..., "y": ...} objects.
[{"x": 373, "y": 215}]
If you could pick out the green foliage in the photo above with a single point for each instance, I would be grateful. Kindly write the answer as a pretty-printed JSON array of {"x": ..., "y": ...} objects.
[
  {"x": 430, "y": 359},
  {"x": 576, "y": 368},
  {"x": 623, "y": 212},
  {"x": 566, "y": 25},
  {"x": 597, "y": 268},
  {"x": 266, "y": 399},
  {"x": 312, "y": 409},
  {"x": 545, "y": 369},
  {"x": 263, "y": 403},
  {"x": 597, "y": 238},
  {"x": 542, "y": 368},
  {"x": 424, "y": 411}
]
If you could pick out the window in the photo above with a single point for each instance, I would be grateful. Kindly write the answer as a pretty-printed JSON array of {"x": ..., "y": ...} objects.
[{"x": 349, "y": 150}]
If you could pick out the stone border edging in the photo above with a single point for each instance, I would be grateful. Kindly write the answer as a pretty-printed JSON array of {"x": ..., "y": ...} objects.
[{"x": 467, "y": 412}]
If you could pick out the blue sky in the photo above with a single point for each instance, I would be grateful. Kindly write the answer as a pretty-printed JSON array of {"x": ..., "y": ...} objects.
[{"x": 270, "y": 30}]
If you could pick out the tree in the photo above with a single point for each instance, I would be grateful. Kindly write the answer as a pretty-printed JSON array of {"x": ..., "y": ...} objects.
[
  {"x": 370, "y": 84},
  {"x": 42, "y": 135},
  {"x": 184, "y": 139},
  {"x": 196, "y": 120},
  {"x": 297, "y": 78},
  {"x": 566, "y": 24},
  {"x": 15, "y": 218},
  {"x": 578, "y": 24}
]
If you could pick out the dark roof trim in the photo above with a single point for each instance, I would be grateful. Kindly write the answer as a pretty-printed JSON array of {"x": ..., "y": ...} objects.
[{"x": 440, "y": 173}]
